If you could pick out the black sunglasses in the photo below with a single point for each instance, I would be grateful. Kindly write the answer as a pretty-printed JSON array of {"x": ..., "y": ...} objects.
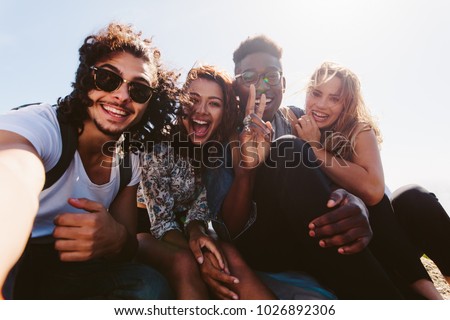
[{"x": 109, "y": 81}]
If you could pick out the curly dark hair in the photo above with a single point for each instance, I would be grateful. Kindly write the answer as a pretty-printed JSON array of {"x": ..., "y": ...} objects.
[
  {"x": 229, "y": 122},
  {"x": 259, "y": 43},
  {"x": 116, "y": 38}
]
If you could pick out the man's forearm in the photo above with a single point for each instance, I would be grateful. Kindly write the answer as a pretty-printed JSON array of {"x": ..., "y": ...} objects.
[
  {"x": 21, "y": 180},
  {"x": 236, "y": 208},
  {"x": 127, "y": 246}
]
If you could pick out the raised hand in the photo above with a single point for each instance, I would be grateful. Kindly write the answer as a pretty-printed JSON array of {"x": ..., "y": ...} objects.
[
  {"x": 256, "y": 135},
  {"x": 307, "y": 129},
  {"x": 346, "y": 227},
  {"x": 84, "y": 236}
]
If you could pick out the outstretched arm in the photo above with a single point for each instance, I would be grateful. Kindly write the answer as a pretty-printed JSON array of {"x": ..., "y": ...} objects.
[
  {"x": 236, "y": 208},
  {"x": 22, "y": 177}
]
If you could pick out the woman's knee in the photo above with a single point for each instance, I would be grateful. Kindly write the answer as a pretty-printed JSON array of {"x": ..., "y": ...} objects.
[
  {"x": 415, "y": 199},
  {"x": 409, "y": 194}
]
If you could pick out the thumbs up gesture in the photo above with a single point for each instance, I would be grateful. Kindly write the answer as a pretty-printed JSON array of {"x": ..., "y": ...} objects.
[{"x": 92, "y": 234}]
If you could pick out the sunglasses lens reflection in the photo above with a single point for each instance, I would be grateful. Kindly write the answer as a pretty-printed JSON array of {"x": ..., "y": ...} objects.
[{"x": 109, "y": 81}]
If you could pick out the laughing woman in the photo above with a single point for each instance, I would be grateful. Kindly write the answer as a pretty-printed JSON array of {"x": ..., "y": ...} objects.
[
  {"x": 345, "y": 140},
  {"x": 175, "y": 197}
]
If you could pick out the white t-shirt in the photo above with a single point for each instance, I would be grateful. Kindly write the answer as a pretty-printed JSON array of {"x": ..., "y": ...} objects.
[{"x": 39, "y": 125}]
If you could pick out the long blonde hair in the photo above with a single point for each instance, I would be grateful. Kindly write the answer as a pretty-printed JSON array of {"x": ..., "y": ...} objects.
[{"x": 339, "y": 139}]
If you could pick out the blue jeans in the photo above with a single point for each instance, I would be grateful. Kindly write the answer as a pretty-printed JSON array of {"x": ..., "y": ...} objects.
[
  {"x": 291, "y": 285},
  {"x": 41, "y": 275}
]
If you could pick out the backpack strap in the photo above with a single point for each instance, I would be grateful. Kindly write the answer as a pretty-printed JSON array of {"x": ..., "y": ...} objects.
[
  {"x": 69, "y": 136},
  {"x": 27, "y": 105},
  {"x": 125, "y": 171}
]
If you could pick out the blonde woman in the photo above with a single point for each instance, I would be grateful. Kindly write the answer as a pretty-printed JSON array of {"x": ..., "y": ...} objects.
[{"x": 345, "y": 140}]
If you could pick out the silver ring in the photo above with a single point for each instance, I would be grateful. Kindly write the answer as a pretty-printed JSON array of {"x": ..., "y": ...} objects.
[
  {"x": 247, "y": 128},
  {"x": 247, "y": 120}
]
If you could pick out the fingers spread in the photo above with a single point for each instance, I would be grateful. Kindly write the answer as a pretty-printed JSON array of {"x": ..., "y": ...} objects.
[
  {"x": 251, "y": 100},
  {"x": 261, "y": 106}
]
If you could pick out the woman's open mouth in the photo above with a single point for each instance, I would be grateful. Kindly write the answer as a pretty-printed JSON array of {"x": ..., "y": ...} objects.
[
  {"x": 319, "y": 116},
  {"x": 200, "y": 127}
]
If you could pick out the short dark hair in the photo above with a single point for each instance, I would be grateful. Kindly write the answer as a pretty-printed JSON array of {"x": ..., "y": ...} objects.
[{"x": 259, "y": 43}]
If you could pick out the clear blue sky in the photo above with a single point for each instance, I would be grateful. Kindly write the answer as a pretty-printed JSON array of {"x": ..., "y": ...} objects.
[{"x": 400, "y": 50}]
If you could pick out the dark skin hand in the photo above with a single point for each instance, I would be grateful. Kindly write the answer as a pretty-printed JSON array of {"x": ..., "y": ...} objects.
[
  {"x": 217, "y": 280},
  {"x": 346, "y": 227},
  {"x": 254, "y": 147},
  {"x": 256, "y": 136},
  {"x": 84, "y": 236}
]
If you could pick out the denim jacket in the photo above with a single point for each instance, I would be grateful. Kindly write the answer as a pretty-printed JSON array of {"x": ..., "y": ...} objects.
[{"x": 218, "y": 180}]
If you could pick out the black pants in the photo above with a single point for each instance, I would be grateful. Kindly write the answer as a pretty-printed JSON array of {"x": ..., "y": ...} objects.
[
  {"x": 289, "y": 192},
  {"x": 426, "y": 223},
  {"x": 40, "y": 274},
  {"x": 393, "y": 248}
]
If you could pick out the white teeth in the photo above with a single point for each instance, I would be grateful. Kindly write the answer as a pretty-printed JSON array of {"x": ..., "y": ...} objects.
[
  {"x": 115, "y": 111},
  {"x": 318, "y": 114},
  {"x": 199, "y": 121}
]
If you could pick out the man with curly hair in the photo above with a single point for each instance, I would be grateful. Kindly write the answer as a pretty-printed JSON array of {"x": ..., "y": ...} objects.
[{"x": 84, "y": 232}]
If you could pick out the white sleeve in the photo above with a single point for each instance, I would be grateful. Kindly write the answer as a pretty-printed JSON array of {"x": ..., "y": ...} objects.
[
  {"x": 388, "y": 192},
  {"x": 39, "y": 125}
]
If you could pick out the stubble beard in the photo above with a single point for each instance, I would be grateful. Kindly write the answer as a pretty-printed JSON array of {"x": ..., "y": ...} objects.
[{"x": 114, "y": 134}]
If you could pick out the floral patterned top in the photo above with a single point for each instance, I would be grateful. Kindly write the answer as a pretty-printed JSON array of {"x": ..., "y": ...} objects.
[{"x": 171, "y": 190}]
